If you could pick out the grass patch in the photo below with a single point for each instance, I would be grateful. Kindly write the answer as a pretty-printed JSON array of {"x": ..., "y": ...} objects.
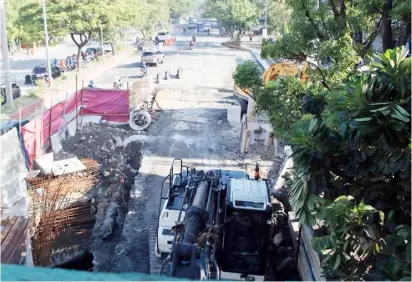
[{"x": 21, "y": 102}]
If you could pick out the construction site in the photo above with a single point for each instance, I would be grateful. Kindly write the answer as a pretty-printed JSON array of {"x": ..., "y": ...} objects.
[{"x": 135, "y": 180}]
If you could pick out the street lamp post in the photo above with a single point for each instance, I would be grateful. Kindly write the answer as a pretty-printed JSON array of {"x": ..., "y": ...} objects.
[
  {"x": 265, "y": 30},
  {"x": 5, "y": 52},
  {"x": 101, "y": 39},
  {"x": 46, "y": 41}
]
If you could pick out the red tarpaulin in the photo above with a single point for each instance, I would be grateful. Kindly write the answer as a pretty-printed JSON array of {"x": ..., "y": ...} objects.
[{"x": 112, "y": 105}]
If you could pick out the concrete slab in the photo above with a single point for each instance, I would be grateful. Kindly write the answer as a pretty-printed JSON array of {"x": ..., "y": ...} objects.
[{"x": 67, "y": 166}]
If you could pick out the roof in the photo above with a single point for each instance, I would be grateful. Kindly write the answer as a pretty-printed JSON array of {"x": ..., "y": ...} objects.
[{"x": 249, "y": 194}]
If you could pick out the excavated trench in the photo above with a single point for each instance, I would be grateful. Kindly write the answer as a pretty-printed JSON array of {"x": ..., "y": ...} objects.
[{"x": 119, "y": 162}]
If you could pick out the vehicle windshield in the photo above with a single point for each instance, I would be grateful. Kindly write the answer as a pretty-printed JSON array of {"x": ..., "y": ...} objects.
[
  {"x": 161, "y": 33},
  {"x": 148, "y": 54}
]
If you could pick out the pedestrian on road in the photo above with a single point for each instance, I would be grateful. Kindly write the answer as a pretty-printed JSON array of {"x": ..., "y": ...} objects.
[{"x": 250, "y": 37}]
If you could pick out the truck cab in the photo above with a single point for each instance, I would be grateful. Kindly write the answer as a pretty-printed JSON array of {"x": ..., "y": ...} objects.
[{"x": 245, "y": 236}]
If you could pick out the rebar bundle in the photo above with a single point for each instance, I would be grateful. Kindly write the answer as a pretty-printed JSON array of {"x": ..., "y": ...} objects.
[{"x": 50, "y": 197}]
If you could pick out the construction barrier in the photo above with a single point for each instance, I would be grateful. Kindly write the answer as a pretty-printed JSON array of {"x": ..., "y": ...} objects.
[
  {"x": 110, "y": 105},
  {"x": 169, "y": 41}
]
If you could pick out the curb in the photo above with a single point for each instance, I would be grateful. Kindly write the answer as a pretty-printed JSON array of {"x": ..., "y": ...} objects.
[{"x": 265, "y": 65}]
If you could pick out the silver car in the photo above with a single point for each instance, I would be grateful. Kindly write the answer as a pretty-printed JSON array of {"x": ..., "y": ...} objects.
[{"x": 153, "y": 57}]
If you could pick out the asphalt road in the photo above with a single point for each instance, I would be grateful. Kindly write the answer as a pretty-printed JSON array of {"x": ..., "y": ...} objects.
[
  {"x": 202, "y": 66},
  {"x": 192, "y": 126},
  {"x": 22, "y": 64}
]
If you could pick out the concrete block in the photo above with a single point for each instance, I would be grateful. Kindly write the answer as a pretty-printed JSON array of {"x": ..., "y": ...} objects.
[
  {"x": 56, "y": 142},
  {"x": 44, "y": 163},
  {"x": 234, "y": 115},
  {"x": 67, "y": 166}
]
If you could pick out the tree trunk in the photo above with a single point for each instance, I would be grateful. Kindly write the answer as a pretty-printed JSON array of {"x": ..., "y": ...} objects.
[
  {"x": 387, "y": 38},
  {"x": 405, "y": 34},
  {"x": 84, "y": 39},
  {"x": 112, "y": 46}
]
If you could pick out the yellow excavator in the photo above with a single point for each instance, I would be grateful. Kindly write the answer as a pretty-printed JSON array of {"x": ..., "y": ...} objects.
[{"x": 275, "y": 71}]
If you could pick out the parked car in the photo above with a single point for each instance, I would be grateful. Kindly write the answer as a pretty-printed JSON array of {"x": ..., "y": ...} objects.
[
  {"x": 40, "y": 72},
  {"x": 206, "y": 27},
  {"x": 191, "y": 26},
  {"x": 6, "y": 126},
  {"x": 107, "y": 48},
  {"x": 152, "y": 57},
  {"x": 15, "y": 89},
  {"x": 94, "y": 50},
  {"x": 163, "y": 35}
]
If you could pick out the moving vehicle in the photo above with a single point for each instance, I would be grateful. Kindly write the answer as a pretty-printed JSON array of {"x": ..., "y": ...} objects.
[
  {"x": 212, "y": 225},
  {"x": 40, "y": 72},
  {"x": 191, "y": 25},
  {"x": 163, "y": 35},
  {"x": 15, "y": 90},
  {"x": 153, "y": 57}
]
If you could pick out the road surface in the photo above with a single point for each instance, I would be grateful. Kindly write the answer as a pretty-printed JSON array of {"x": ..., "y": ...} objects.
[
  {"x": 192, "y": 126},
  {"x": 22, "y": 64}
]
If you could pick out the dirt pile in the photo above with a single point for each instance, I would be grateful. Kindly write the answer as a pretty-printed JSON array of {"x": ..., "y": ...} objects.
[{"x": 119, "y": 162}]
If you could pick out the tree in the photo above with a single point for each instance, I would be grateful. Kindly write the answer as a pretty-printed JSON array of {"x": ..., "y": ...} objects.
[
  {"x": 151, "y": 14},
  {"x": 328, "y": 32},
  {"x": 278, "y": 14},
  {"x": 180, "y": 7},
  {"x": 359, "y": 145},
  {"x": 81, "y": 19},
  {"x": 31, "y": 22},
  {"x": 233, "y": 15},
  {"x": 248, "y": 76}
]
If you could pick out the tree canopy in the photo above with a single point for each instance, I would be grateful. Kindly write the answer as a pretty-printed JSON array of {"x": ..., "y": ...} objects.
[{"x": 233, "y": 15}]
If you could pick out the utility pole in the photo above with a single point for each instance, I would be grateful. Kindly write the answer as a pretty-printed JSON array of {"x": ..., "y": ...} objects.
[
  {"x": 101, "y": 39},
  {"x": 5, "y": 53},
  {"x": 46, "y": 41},
  {"x": 265, "y": 30}
]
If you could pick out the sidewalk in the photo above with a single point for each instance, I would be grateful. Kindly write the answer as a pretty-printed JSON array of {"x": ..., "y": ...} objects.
[{"x": 255, "y": 44}]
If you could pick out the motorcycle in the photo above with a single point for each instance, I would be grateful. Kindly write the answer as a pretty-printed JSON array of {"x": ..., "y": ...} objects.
[
  {"x": 144, "y": 72},
  {"x": 117, "y": 85}
]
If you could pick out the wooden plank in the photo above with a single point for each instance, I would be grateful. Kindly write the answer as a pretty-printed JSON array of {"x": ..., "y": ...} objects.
[
  {"x": 19, "y": 254},
  {"x": 12, "y": 238},
  {"x": 18, "y": 239},
  {"x": 6, "y": 230}
]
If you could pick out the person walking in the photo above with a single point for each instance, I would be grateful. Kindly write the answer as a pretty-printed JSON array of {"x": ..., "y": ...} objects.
[{"x": 250, "y": 36}]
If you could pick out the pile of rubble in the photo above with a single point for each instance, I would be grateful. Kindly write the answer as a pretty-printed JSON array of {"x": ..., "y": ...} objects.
[{"x": 119, "y": 158}]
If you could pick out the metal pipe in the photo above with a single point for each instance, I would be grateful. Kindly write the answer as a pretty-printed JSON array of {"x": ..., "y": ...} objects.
[{"x": 200, "y": 196}]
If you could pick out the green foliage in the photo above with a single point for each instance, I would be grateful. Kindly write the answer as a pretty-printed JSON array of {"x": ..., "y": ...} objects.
[
  {"x": 150, "y": 15},
  {"x": 281, "y": 101},
  {"x": 357, "y": 143},
  {"x": 179, "y": 8},
  {"x": 352, "y": 239},
  {"x": 329, "y": 30},
  {"x": 233, "y": 15},
  {"x": 248, "y": 76}
]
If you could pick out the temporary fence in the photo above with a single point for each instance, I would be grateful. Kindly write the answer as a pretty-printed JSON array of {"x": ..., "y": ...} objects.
[
  {"x": 63, "y": 118},
  {"x": 13, "y": 169}
]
